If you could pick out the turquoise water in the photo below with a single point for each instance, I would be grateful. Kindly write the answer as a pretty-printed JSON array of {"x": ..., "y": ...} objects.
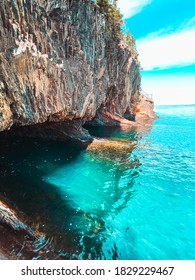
[{"x": 137, "y": 203}]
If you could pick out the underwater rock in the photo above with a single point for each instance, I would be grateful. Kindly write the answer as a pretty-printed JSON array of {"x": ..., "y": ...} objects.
[
  {"x": 111, "y": 148},
  {"x": 8, "y": 217},
  {"x": 19, "y": 241},
  {"x": 115, "y": 151}
]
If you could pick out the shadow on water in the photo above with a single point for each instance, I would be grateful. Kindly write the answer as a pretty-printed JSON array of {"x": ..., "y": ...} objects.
[
  {"x": 131, "y": 133},
  {"x": 73, "y": 196},
  {"x": 23, "y": 164}
]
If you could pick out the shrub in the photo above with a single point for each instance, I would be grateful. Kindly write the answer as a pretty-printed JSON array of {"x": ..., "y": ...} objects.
[
  {"x": 130, "y": 41},
  {"x": 112, "y": 15}
]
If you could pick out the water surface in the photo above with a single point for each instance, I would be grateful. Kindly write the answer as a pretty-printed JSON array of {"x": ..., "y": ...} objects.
[{"x": 137, "y": 203}]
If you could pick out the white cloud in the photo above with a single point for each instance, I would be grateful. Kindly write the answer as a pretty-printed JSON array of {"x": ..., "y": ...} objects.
[
  {"x": 170, "y": 89},
  {"x": 159, "y": 50},
  {"x": 130, "y": 8}
]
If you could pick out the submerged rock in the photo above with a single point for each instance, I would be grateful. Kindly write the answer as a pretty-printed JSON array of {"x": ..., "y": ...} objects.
[
  {"x": 8, "y": 217},
  {"x": 112, "y": 148},
  {"x": 114, "y": 152},
  {"x": 19, "y": 241}
]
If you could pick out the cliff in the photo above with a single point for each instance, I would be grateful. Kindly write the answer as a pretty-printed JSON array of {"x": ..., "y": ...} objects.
[{"x": 60, "y": 67}]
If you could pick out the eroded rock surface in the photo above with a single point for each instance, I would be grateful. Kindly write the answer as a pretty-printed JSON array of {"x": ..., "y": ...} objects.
[
  {"x": 59, "y": 64},
  {"x": 19, "y": 241},
  {"x": 144, "y": 108}
]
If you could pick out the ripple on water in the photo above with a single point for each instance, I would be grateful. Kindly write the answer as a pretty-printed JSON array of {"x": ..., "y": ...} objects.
[{"x": 132, "y": 199}]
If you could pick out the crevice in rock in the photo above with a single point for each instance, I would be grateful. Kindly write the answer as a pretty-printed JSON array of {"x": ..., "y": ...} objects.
[{"x": 51, "y": 131}]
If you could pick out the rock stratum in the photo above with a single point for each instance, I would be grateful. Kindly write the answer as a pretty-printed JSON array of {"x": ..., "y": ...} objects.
[
  {"x": 19, "y": 241},
  {"x": 60, "y": 68}
]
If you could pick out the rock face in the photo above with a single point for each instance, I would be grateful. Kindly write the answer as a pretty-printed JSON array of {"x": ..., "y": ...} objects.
[
  {"x": 19, "y": 241},
  {"x": 59, "y": 64},
  {"x": 143, "y": 107}
]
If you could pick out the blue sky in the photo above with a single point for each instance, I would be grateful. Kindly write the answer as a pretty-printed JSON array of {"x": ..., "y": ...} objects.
[{"x": 165, "y": 38}]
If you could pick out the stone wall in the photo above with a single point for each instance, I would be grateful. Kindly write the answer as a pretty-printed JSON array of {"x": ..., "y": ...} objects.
[{"x": 58, "y": 63}]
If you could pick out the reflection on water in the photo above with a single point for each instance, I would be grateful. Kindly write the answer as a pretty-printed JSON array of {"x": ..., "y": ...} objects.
[
  {"x": 70, "y": 195},
  {"x": 124, "y": 132},
  {"x": 131, "y": 196}
]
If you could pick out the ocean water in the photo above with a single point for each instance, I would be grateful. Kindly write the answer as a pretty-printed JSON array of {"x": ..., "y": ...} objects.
[{"x": 133, "y": 200}]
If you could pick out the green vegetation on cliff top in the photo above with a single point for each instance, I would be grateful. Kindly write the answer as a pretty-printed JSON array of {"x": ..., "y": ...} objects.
[{"x": 114, "y": 23}]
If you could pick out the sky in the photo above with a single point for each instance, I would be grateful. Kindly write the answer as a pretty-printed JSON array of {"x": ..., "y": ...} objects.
[{"x": 165, "y": 39}]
